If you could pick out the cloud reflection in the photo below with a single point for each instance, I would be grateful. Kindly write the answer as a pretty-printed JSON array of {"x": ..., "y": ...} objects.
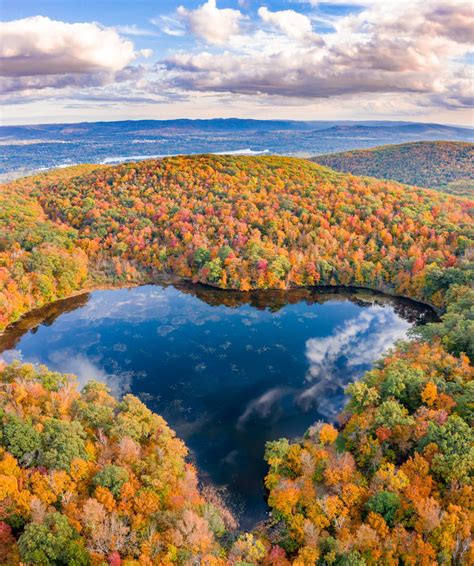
[
  {"x": 263, "y": 405},
  {"x": 87, "y": 370},
  {"x": 335, "y": 360}
]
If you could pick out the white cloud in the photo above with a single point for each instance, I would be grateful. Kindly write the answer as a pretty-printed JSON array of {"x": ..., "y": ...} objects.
[
  {"x": 292, "y": 24},
  {"x": 170, "y": 25},
  {"x": 294, "y": 72},
  {"x": 395, "y": 47},
  {"x": 381, "y": 59},
  {"x": 353, "y": 341},
  {"x": 38, "y": 53},
  {"x": 212, "y": 24},
  {"x": 40, "y": 46},
  {"x": 457, "y": 24},
  {"x": 352, "y": 347},
  {"x": 135, "y": 30}
]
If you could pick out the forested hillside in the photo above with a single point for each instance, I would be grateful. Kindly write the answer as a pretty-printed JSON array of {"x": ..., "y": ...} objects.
[
  {"x": 443, "y": 165},
  {"x": 87, "y": 479},
  {"x": 236, "y": 223}
]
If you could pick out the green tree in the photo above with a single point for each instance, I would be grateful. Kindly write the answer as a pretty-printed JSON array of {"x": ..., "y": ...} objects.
[
  {"x": 62, "y": 441},
  {"x": 52, "y": 543},
  {"x": 21, "y": 439},
  {"x": 112, "y": 477},
  {"x": 455, "y": 458},
  {"x": 404, "y": 382},
  {"x": 385, "y": 503},
  {"x": 391, "y": 413},
  {"x": 215, "y": 270},
  {"x": 280, "y": 266},
  {"x": 201, "y": 257},
  {"x": 456, "y": 329}
]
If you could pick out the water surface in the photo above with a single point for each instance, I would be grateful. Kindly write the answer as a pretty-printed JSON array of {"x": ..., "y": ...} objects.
[{"x": 228, "y": 371}]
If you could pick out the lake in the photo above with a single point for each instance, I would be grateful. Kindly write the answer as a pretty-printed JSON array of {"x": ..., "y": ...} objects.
[{"x": 228, "y": 371}]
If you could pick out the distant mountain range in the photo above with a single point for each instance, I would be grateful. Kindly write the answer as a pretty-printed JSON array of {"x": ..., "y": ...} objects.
[
  {"x": 27, "y": 149},
  {"x": 147, "y": 127},
  {"x": 443, "y": 165}
]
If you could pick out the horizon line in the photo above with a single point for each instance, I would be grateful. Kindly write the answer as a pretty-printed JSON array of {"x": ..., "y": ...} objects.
[{"x": 59, "y": 123}]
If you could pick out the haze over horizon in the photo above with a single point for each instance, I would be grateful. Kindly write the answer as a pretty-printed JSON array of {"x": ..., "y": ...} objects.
[{"x": 66, "y": 62}]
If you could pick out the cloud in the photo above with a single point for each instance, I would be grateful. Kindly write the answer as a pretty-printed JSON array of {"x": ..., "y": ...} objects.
[
  {"x": 135, "y": 30},
  {"x": 65, "y": 361},
  {"x": 380, "y": 58},
  {"x": 170, "y": 25},
  {"x": 354, "y": 342},
  {"x": 212, "y": 24},
  {"x": 292, "y": 24},
  {"x": 293, "y": 73},
  {"x": 458, "y": 91},
  {"x": 382, "y": 48},
  {"x": 40, "y": 46},
  {"x": 38, "y": 53},
  {"x": 262, "y": 405},
  {"x": 336, "y": 359},
  {"x": 333, "y": 362},
  {"x": 86, "y": 370}
]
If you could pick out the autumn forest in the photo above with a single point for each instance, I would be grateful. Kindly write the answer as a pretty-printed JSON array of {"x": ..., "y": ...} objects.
[{"x": 86, "y": 478}]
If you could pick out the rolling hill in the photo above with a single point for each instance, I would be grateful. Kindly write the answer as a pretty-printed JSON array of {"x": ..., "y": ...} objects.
[
  {"x": 441, "y": 165},
  {"x": 232, "y": 222},
  {"x": 149, "y": 127},
  {"x": 29, "y": 149}
]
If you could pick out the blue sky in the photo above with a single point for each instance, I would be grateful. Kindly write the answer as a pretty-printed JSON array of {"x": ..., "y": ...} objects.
[{"x": 63, "y": 60}]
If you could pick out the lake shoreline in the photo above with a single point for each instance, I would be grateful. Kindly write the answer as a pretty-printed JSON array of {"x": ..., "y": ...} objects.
[{"x": 175, "y": 280}]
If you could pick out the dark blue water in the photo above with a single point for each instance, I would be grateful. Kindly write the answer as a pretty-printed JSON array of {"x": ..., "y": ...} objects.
[{"x": 228, "y": 371}]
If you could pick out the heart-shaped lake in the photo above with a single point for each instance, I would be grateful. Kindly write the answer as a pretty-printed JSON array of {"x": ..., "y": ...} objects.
[{"x": 228, "y": 371}]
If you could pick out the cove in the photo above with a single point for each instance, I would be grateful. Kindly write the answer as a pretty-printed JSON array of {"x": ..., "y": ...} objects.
[{"x": 228, "y": 371}]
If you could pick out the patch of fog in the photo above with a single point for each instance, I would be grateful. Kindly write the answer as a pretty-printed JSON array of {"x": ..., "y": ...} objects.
[
  {"x": 246, "y": 151},
  {"x": 13, "y": 142},
  {"x": 126, "y": 158}
]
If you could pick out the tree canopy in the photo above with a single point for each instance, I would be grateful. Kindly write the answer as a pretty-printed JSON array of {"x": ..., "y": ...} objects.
[{"x": 89, "y": 479}]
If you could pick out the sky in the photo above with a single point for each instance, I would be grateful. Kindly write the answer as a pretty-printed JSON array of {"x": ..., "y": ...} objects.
[{"x": 73, "y": 60}]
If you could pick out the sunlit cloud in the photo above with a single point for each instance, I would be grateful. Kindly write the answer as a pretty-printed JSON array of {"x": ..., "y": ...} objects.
[
  {"x": 395, "y": 48},
  {"x": 292, "y": 24},
  {"x": 210, "y": 23},
  {"x": 38, "y": 53},
  {"x": 393, "y": 58},
  {"x": 137, "y": 31}
]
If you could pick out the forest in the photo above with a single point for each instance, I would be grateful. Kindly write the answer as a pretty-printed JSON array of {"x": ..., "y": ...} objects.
[
  {"x": 447, "y": 166},
  {"x": 88, "y": 479},
  {"x": 234, "y": 223}
]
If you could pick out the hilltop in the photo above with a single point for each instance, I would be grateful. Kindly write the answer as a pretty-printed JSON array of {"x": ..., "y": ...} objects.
[
  {"x": 232, "y": 222},
  {"x": 443, "y": 165}
]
